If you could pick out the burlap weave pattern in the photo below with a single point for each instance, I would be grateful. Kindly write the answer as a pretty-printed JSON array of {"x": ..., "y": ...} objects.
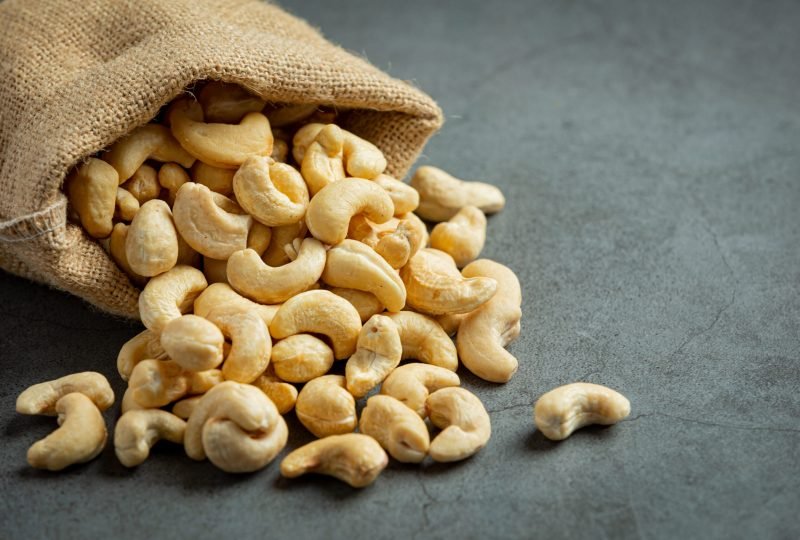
[{"x": 78, "y": 75}]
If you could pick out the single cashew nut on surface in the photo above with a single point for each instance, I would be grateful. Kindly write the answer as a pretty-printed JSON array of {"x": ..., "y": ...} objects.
[
  {"x": 398, "y": 429},
  {"x": 301, "y": 358},
  {"x": 404, "y": 197},
  {"x": 250, "y": 343},
  {"x": 138, "y": 431},
  {"x": 193, "y": 342},
  {"x": 143, "y": 185},
  {"x": 214, "y": 178},
  {"x": 80, "y": 438},
  {"x": 412, "y": 383},
  {"x": 183, "y": 408},
  {"x": 155, "y": 383},
  {"x": 236, "y": 427},
  {"x": 424, "y": 340},
  {"x": 116, "y": 248},
  {"x": 273, "y": 193},
  {"x": 281, "y": 393},
  {"x": 325, "y": 407},
  {"x": 171, "y": 177},
  {"x": 222, "y": 295},
  {"x": 167, "y": 296},
  {"x": 463, "y": 236},
  {"x": 485, "y": 332},
  {"x": 367, "y": 304},
  {"x": 378, "y": 352},
  {"x": 151, "y": 246},
  {"x": 441, "y": 195},
  {"x": 126, "y": 205},
  {"x": 352, "y": 458},
  {"x": 464, "y": 422},
  {"x": 92, "y": 192},
  {"x": 275, "y": 254},
  {"x": 227, "y": 103},
  {"x": 323, "y": 159},
  {"x": 561, "y": 411},
  {"x": 143, "y": 346},
  {"x": 42, "y": 398},
  {"x": 151, "y": 141}
]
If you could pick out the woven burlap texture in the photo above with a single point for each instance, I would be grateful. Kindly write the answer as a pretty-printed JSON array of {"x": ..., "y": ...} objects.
[{"x": 78, "y": 75}]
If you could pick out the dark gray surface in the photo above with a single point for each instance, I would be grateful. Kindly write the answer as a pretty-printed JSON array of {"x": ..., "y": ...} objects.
[{"x": 650, "y": 152}]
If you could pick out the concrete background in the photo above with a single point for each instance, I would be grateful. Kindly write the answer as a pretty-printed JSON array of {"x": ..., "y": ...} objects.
[{"x": 650, "y": 152}]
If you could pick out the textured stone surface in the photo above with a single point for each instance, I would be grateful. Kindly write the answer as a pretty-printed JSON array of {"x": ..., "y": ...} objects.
[{"x": 650, "y": 156}]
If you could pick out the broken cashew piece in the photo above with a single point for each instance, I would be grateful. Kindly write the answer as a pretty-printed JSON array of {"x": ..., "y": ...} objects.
[
  {"x": 221, "y": 294},
  {"x": 404, "y": 197},
  {"x": 464, "y": 422},
  {"x": 137, "y": 431},
  {"x": 167, "y": 296},
  {"x": 365, "y": 303},
  {"x": 250, "y": 343},
  {"x": 412, "y": 383},
  {"x": 151, "y": 141},
  {"x": 92, "y": 192},
  {"x": 151, "y": 245},
  {"x": 561, "y": 411},
  {"x": 323, "y": 159},
  {"x": 42, "y": 398},
  {"x": 325, "y": 407},
  {"x": 462, "y": 237},
  {"x": 301, "y": 358},
  {"x": 442, "y": 195},
  {"x": 273, "y": 193},
  {"x": 144, "y": 345},
  {"x": 424, "y": 340},
  {"x": 193, "y": 342},
  {"x": 398, "y": 429},
  {"x": 378, "y": 352},
  {"x": 227, "y": 103}
]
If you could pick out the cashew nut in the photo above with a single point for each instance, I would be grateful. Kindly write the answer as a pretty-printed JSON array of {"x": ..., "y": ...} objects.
[
  {"x": 183, "y": 408},
  {"x": 325, "y": 407},
  {"x": 398, "y": 429},
  {"x": 221, "y": 294},
  {"x": 395, "y": 240},
  {"x": 462, "y": 237},
  {"x": 151, "y": 246},
  {"x": 362, "y": 159},
  {"x": 214, "y": 178},
  {"x": 450, "y": 322},
  {"x": 464, "y": 422},
  {"x": 281, "y": 116},
  {"x": 442, "y": 195},
  {"x": 280, "y": 150},
  {"x": 352, "y": 458},
  {"x": 201, "y": 382},
  {"x": 404, "y": 197},
  {"x": 126, "y": 205},
  {"x": 155, "y": 383},
  {"x": 130, "y": 404},
  {"x": 378, "y": 352},
  {"x": 365, "y": 303},
  {"x": 301, "y": 358},
  {"x": 412, "y": 383},
  {"x": 424, "y": 340},
  {"x": 151, "y": 141},
  {"x": 92, "y": 192},
  {"x": 42, "y": 398},
  {"x": 138, "y": 431},
  {"x": 561, "y": 411},
  {"x": 484, "y": 332},
  {"x": 282, "y": 394},
  {"x": 303, "y": 138},
  {"x": 259, "y": 237},
  {"x": 421, "y": 230},
  {"x": 144, "y": 345},
  {"x": 251, "y": 343},
  {"x": 168, "y": 295},
  {"x": 323, "y": 160},
  {"x": 143, "y": 185},
  {"x": 116, "y": 248},
  {"x": 227, "y": 103},
  {"x": 216, "y": 271},
  {"x": 193, "y": 342},
  {"x": 275, "y": 254},
  {"x": 171, "y": 177},
  {"x": 273, "y": 193}
]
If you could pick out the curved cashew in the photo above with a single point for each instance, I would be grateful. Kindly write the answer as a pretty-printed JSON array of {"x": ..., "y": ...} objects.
[
  {"x": 171, "y": 177},
  {"x": 362, "y": 159},
  {"x": 434, "y": 285},
  {"x": 484, "y": 332},
  {"x": 116, "y": 248},
  {"x": 412, "y": 383},
  {"x": 424, "y": 340},
  {"x": 463, "y": 236},
  {"x": 209, "y": 222},
  {"x": 365, "y": 303},
  {"x": 420, "y": 229},
  {"x": 464, "y": 422},
  {"x": 130, "y": 404},
  {"x": 561, "y": 411},
  {"x": 378, "y": 352},
  {"x": 138, "y": 431},
  {"x": 248, "y": 274},
  {"x": 273, "y": 193},
  {"x": 395, "y": 240},
  {"x": 275, "y": 254},
  {"x": 151, "y": 141},
  {"x": 216, "y": 271},
  {"x": 301, "y": 358},
  {"x": 42, "y": 398},
  {"x": 282, "y": 394},
  {"x": 303, "y": 138},
  {"x": 353, "y": 458},
  {"x": 329, "y": 212},
  {"x": 183, "y": 408},
  {"x": 237, "y": 427},
  {"x": 404, "y": 197},
  {"x": 126, "y": 205},
  {"x": 259, "y": 237},
  {"x": 323, "y": 159},
  {"x": 80, "y": 438},
  {"x": 250, "y": 343},
  {"x": 354, "y": 265},
  {"x": 325, "y": 407},
  {"x": 142, "y": 346},
  {"x": 92, "y": 192},
  {"x": 167, "y": 296},
  {"x": 319, "y": 312},
  {"x": 143, "y": 185},
  {"x": 151, "y": 246},
  {"x": 442, "y": 195},
  {"x": 155, "y": 383},
  {"x": 214, "y": 178},
  {"x": 450, "y": 322},
  {"x": 397, "y": 428},
  {"x": 220, "y": 145},
  {"x": 227, "y": 103},
  {"x": 289, "y": 114},
  {"x": 221, "y": 294},
  {"x": 193, "y": 342}
]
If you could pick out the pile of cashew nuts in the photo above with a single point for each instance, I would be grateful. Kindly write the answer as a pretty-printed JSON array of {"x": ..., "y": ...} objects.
[{"x": 274, "y": 252}]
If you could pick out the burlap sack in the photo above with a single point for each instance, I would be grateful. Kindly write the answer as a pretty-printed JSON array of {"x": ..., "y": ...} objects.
[{"x": 77, "y": 75}]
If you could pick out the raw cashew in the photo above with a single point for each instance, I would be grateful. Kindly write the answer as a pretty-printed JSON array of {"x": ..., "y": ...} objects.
[
  {"x": 424, "y": 340},
  {"x": 126, "y": 205},
  {"x": 463, "y": 236},
  {"x": 214, "y": 178},
  {"x": 442, "y": 195},
  {"x": 434, "y": 285},
  {"x": 259, "y": 237},
  {"x": 301, "y": 358},
  {"x": 450, "y": 322},
  {"x": 561, "y": 411},
  {"x": 419, "y": 227},
  {"x": 323, "y": 160},
  {"x": 280, "y": 150},
  {"x": 248, "y": 274},
  {"x": 116, "y": 248},
  {"x": 151, "y": 141},
  {"x": 325, "y": 407},
  {"x": 237, "y": 427},
  {"x": 92, "y": 192},
  {"x": 155, "y": 383},
  {"x": 464, "y": 422},
  {"x": 168, "y": 295},
  {"x": 282, "y": 394},
  {"x": 378, "y": 352},
  {"x": 404, "y": 197},
  {"x": 365, "y": 303},
  {"x": 319, "y": 312},
  {"x": 212, "y": 224},
  {"x": 42, "y": 398},
  {"x": 143, "y": 185},
  {"x": 329, "y": 212},
  {"x": 80, "y": 438},
  {"x": 144, "y": 345},
  {"x": 138, "y": 431},
  {"x": 183, "y": 408},
  {"x": 130, "y": 404},
  {"x": 303, "y": 138},
  {"x": 201, "y": 382},
  {"x": 398, "y": 429},
  {"x": 354, "y": 265},
  {"x": 222, "y": 295},
  {"x": 395, "y": 240},
  {"x": 412, "y": 383},
  {"x": 171, "y": 177},
  {"x": 353, "y": 458},
  {"x": 216, "y": 271},
  {"x": 275, "y": 254},
  {"x": 484, "y": 332},
  {"x": 227, "y": 103},
  {"x": 288, "y": 114},
  {"x": 193, "y": 342},
  {"x": 362, "y": 159},
  {"x": 151, "y": 246},
  {"x": 220, "y": 145},
  {"x": 273, "y": 193},
  {"x": 251, "y": 343}
]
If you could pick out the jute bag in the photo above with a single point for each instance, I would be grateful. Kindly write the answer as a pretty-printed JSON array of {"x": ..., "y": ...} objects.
[{"x": 77, "y": 75}]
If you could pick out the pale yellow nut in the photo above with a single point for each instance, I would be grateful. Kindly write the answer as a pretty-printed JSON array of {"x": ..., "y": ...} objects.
[
  {"x": 301, "y": 358},
  {"x": 236, "y": 427},
  {"x": 116, "y": 248},
  {"x": 155, "y": 383},
  {"x": 465, "y": 424},
  {"x": 220, "y": 145},
  {"x": 412, "y": 383},
  {"x": 450, "y": 322},
  {"x": 398, "y": 246},
  {"x": 227, "y": 103},
  {"x": 398, "y": 429},
  {"x": 151, "y": 141},
  {"x": 251, "y": 344},
  {"x": 92, "y": 192},
  {"x": 275, "y": 254},
  {"x": 212, "y": 224},
  {"x": 201, "y": 382},
  {"x": 367, "y": 304},
  {"x": 193, "y": 342},
  {"x": 325, "y": 407},
  {"x": 285, "y": 115},
  {"x": 303, "y": 138},
  {"x": 280, "y": 150},
  {"x": 126, "y": 205},
  {"x": 462, "y": 237},
  {"x": 329, "y": 212},
  {"x": 80, "y": 438},
  {"x": 354, "y": 458},
  {"x": 362, "y": 159},
  {"x": 441, "y": 195},
  {"x": 214, "y": 178},
  {"x": 144, "y": 345},
  {"x": 281, "y": 393},
  {"x": 143, "y": 185},
  {"x": 151, "y": 246},
  {"x": 404, "y": 197},
  {"x": 183, "y": 408},
  {"x": 273, "y": 193},
  {"x": 222, "y": 295},
  {"x": 423, "y": 339},
  {"x": 377, "y": 353},
  {"x": 42, "y": 398},
  {"x": 561, "y": 411},
  {"x": 485, "y": 332},
  {"x": 137, "y": 431},
  {"x": 169, "y": 295},
  {"x": 323, "y": 160},
  {"x": 319, "y": 312},
  {"x": 130, "y": 404},
  {"x": 216, "y": 271},
  {"x": 259, "y": 237},
  {"x": 434, "y": 285},
  {"x": 171, "y": 177},
  {"x": 420, "y": 229}
]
